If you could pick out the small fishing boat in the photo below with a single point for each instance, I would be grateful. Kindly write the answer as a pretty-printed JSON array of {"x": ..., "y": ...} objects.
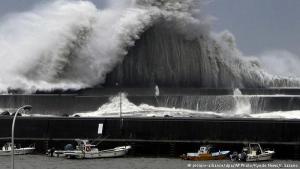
[
  {"x": 207, "y": 152},
  {"x": 86, "y": 150},
  {"x": 7, "y": 148},
  {"x": 253, "y": 152}
]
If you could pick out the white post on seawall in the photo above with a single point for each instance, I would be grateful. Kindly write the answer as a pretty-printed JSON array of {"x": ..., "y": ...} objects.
[
  {"x": 120, "y": 104},
  {"x": 26, "y": 107}
]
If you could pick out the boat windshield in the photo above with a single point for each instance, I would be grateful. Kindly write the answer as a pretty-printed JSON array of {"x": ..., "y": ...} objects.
[
  {"x": 255, "y": 148},
  {"x": 213, "y": 150}
]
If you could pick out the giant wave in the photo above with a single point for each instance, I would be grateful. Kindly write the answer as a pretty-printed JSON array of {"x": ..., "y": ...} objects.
[{"x": 72, "y": 45}]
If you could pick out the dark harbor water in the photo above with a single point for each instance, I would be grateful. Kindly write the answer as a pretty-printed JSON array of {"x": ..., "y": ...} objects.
[{"x": 44, "y": 162}]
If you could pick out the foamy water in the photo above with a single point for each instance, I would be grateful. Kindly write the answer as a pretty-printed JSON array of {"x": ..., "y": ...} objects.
[{"x": 121, "y": 105}]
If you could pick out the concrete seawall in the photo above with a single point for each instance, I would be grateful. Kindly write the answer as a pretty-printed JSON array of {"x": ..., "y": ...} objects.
[
  {"x": 158, "y": 136},
  {"x": 70, "y": 104}
]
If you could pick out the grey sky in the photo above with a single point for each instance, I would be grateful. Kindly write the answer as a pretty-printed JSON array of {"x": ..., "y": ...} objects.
[{"x": 258, "y": 25}]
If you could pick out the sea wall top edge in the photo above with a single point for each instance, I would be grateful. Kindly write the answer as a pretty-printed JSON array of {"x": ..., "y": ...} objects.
[{"x": 269, "y": 120}]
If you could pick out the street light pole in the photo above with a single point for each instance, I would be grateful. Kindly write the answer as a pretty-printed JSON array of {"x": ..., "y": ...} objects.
[{"x": 26, "y": 107}]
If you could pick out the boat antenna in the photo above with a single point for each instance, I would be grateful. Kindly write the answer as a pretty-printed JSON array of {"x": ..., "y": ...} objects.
[{"x": 102, "y": 140}]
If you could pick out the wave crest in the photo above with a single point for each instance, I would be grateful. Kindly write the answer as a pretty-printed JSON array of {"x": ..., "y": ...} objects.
[{"x": 73, "y": 45}]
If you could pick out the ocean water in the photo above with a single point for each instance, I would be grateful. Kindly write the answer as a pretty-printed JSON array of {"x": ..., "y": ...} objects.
[{"x": 45, "y": 162}]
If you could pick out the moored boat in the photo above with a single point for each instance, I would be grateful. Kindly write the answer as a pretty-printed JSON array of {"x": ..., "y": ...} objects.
[
  {"x": 253, "y": 152},
  {"x": 7, "y": 148},
  {"x": 207, "y": 152},
  {"x": 86, "y": 150}
]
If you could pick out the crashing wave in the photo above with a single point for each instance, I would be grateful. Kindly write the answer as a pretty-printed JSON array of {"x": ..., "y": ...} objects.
[
  {"x": 120, "y": 106},
  {"x": 73, "y": 45}
]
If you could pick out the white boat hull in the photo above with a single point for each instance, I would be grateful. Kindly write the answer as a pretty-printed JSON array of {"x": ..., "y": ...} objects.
[
  {"x": 20, "y": 151},
  {"x": 81, "y": 155},
  {"x": 116, "y": 152},
  {"x": 261, "y": 157}
]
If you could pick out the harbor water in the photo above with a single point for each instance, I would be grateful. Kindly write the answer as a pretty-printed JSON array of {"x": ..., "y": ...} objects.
[{"x": 45, "y": 162}]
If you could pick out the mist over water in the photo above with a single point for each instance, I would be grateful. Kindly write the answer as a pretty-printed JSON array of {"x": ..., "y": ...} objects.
[
  {"x": 281, "y": 62},
  {"x": 72, "y": 45}
]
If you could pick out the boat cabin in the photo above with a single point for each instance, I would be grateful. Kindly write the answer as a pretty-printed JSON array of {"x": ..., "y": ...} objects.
[
  {"x": 253, "y": 149},
  {"x": 207, "y": 149},
  {"x": 84, "y": 145},
  {"x": 7, "y": 147}
]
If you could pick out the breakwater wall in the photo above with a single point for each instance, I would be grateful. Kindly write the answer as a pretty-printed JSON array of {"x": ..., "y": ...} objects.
[
  {"x": 158, "y": 136},
  {"x": 193, "y": 99}
]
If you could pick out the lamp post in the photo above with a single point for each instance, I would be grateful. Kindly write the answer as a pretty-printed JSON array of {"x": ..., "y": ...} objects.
[{"x": 28, "y": 108}]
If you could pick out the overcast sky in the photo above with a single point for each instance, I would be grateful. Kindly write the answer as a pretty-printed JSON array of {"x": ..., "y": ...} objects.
[{"x": 258, "y": 25}]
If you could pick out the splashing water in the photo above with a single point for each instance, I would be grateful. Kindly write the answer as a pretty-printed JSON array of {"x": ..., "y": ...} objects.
[
  {"x": 65, "y": 44},
  {"x": 242, "y": 110},
  {"x": 71, "y": 44},
  {"x": 242, "y": 104},
  {"x": 112, "y": 109}
]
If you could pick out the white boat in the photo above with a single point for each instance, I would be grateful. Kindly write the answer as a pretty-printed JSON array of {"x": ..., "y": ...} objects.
[
  {"x": 254, "y": 152},
  {"x": 7, "y": 148},
  {"x": 206, "y": 152},
  {"x": 86, "y": 150}
]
